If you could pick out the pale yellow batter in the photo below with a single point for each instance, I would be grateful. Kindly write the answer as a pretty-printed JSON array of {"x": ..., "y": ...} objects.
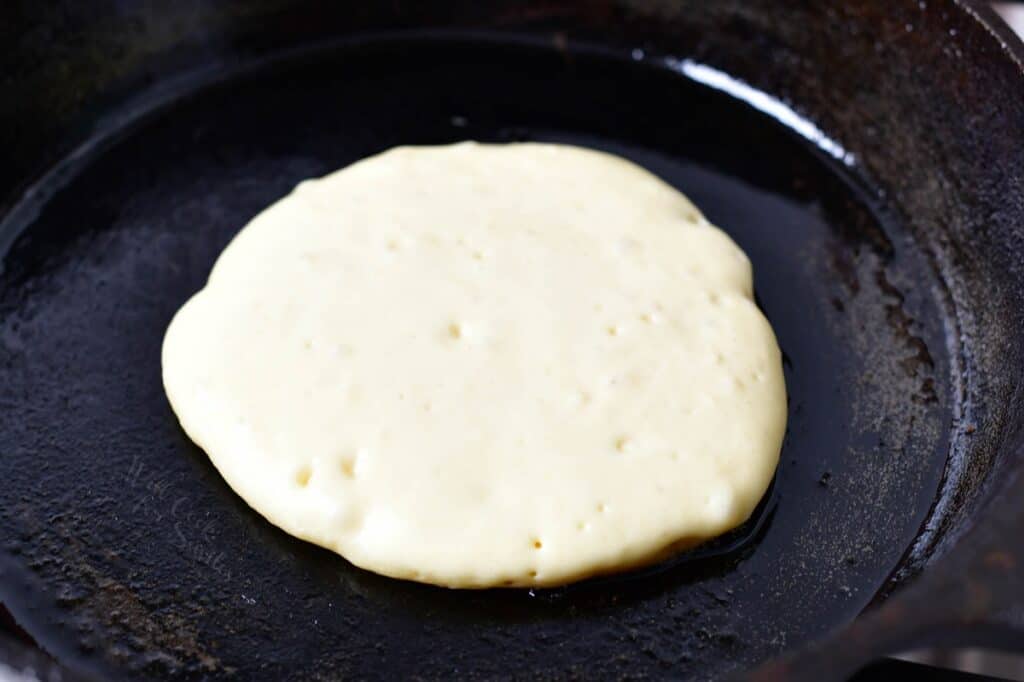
[{"x": 484, "y": 365}]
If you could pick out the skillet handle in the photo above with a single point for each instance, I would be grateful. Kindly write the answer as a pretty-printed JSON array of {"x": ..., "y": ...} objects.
[{"x": 973, "y": 596}]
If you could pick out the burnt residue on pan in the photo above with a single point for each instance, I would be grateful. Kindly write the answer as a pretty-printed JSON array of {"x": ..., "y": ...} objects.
[{"x": 124, "y": 553}]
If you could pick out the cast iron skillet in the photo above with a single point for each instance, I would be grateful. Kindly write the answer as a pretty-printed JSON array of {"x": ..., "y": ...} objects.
[{"x": 868, "y": 157}]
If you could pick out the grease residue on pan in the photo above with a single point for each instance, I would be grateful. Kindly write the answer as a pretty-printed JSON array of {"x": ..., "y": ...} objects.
[{"x": 120, "y": 528}]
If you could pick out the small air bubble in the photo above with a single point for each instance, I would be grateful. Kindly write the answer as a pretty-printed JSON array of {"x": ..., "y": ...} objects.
[
  {"x": 459, "y": 121},
  {"x": 637, "y": 54},
  {"x": 651, "y": 318}
]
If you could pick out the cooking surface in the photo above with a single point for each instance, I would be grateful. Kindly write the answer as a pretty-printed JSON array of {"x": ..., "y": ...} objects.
[{"x": 123, "y": 548}]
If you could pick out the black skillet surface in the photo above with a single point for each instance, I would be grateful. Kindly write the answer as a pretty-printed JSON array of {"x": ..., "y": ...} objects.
[{"x": 125, "y": 554}]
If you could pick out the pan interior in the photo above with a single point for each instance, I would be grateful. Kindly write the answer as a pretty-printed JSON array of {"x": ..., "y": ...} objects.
[{"x": 125, "y": 553}]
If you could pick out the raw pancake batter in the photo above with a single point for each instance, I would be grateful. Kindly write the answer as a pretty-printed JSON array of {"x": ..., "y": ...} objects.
[{"x": 484, "y": 365}]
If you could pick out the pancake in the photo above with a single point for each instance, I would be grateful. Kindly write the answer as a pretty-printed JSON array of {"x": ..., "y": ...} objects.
[{"x": 484, "y": 365}]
